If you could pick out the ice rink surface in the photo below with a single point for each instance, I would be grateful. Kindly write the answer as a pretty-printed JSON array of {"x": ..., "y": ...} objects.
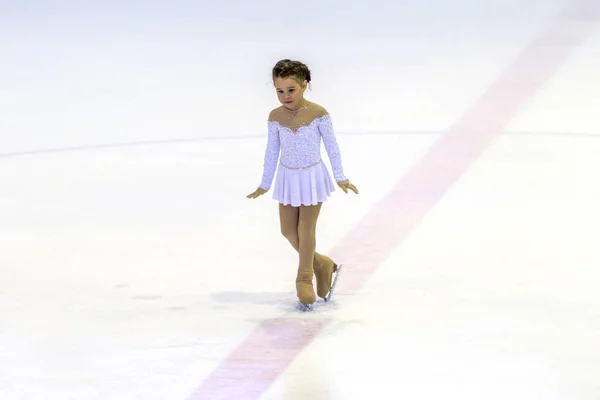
[{"x": 132, "y": 266}]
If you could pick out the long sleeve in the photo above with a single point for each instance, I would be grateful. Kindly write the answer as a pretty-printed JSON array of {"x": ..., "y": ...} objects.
[
  {"x": 331, "y": 145},
  {"x": 271, "y": 156}
]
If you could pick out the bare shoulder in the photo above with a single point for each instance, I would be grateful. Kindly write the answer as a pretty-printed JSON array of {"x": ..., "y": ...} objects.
[
  {"x": 275, "y": 113},
  {"x": 319, "y": 110}
]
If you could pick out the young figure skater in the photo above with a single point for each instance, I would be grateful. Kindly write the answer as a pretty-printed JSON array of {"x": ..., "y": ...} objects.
[{"x": 303, "y": 183}]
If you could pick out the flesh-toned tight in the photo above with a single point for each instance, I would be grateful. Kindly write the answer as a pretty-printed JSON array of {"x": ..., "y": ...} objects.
[{"x": 298, "y": 226}]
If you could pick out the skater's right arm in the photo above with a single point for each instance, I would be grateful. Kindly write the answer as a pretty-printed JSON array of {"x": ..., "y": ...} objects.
[
  {"x": 271, "y": 154},
  {"x": 271, "y": 158}
]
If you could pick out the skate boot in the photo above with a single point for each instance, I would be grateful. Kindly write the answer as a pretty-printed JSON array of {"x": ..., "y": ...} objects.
[
  {"x": 304, "y": 287},
  {"x": 324, "y": 269}
]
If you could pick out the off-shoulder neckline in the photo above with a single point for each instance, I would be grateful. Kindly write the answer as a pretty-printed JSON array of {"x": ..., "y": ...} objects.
[{"x": 316, "y": 119}]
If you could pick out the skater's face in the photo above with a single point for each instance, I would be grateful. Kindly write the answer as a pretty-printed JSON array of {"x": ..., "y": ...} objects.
[{"x": 289, "y": 91}]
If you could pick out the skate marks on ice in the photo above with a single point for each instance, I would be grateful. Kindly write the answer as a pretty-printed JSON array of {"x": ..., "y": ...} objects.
[
  {"x": 286, "y": 301},
  {"x": 258, "y": 298},
  {"x": 319, "y": 306}
]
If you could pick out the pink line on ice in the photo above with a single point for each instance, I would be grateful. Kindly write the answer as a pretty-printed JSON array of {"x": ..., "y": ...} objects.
[{"x": 258, "y": 361}]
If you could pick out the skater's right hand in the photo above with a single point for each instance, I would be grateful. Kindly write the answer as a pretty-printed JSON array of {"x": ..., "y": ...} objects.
[{"x": 256, "y": 193}]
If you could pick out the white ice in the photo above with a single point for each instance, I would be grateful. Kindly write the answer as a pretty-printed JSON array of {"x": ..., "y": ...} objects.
[{"x": 131, "y": 263}]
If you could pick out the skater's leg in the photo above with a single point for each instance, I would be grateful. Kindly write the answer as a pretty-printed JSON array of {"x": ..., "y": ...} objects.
[
  {"x": 288, "y": 220},
  {"x": 307, "y": 225},
  {"x": 323, "y": 266}
]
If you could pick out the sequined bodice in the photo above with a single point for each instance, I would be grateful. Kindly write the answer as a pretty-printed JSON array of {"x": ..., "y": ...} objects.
[{"x": 295, "y": 139}]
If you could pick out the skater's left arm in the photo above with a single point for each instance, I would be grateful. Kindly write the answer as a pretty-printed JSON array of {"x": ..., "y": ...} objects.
[{"x": 333, "y": 151}]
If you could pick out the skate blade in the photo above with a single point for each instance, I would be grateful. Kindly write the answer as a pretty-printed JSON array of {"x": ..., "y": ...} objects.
[
  {"x": 332, "y": 289},
  {"x": 305, "y": 307}
]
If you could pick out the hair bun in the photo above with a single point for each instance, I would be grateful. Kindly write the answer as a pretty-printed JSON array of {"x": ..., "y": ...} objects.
[{"x": 290, "y": 68}]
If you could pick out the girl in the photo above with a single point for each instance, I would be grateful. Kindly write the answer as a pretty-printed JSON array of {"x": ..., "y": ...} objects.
[{"x": 302, "y": 183}]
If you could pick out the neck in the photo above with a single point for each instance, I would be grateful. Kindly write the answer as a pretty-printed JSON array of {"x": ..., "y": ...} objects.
[{"x": 301, "y": 104}]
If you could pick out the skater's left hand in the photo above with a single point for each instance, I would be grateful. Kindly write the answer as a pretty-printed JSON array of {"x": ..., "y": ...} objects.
[{"x": 345, "y": 185}]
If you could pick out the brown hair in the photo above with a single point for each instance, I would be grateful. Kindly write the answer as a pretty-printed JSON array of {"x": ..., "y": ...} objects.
[{"x": 290, "y": 68}]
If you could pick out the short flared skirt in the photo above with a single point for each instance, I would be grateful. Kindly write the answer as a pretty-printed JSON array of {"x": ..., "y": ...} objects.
[{"x": 303, "y": 187}]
